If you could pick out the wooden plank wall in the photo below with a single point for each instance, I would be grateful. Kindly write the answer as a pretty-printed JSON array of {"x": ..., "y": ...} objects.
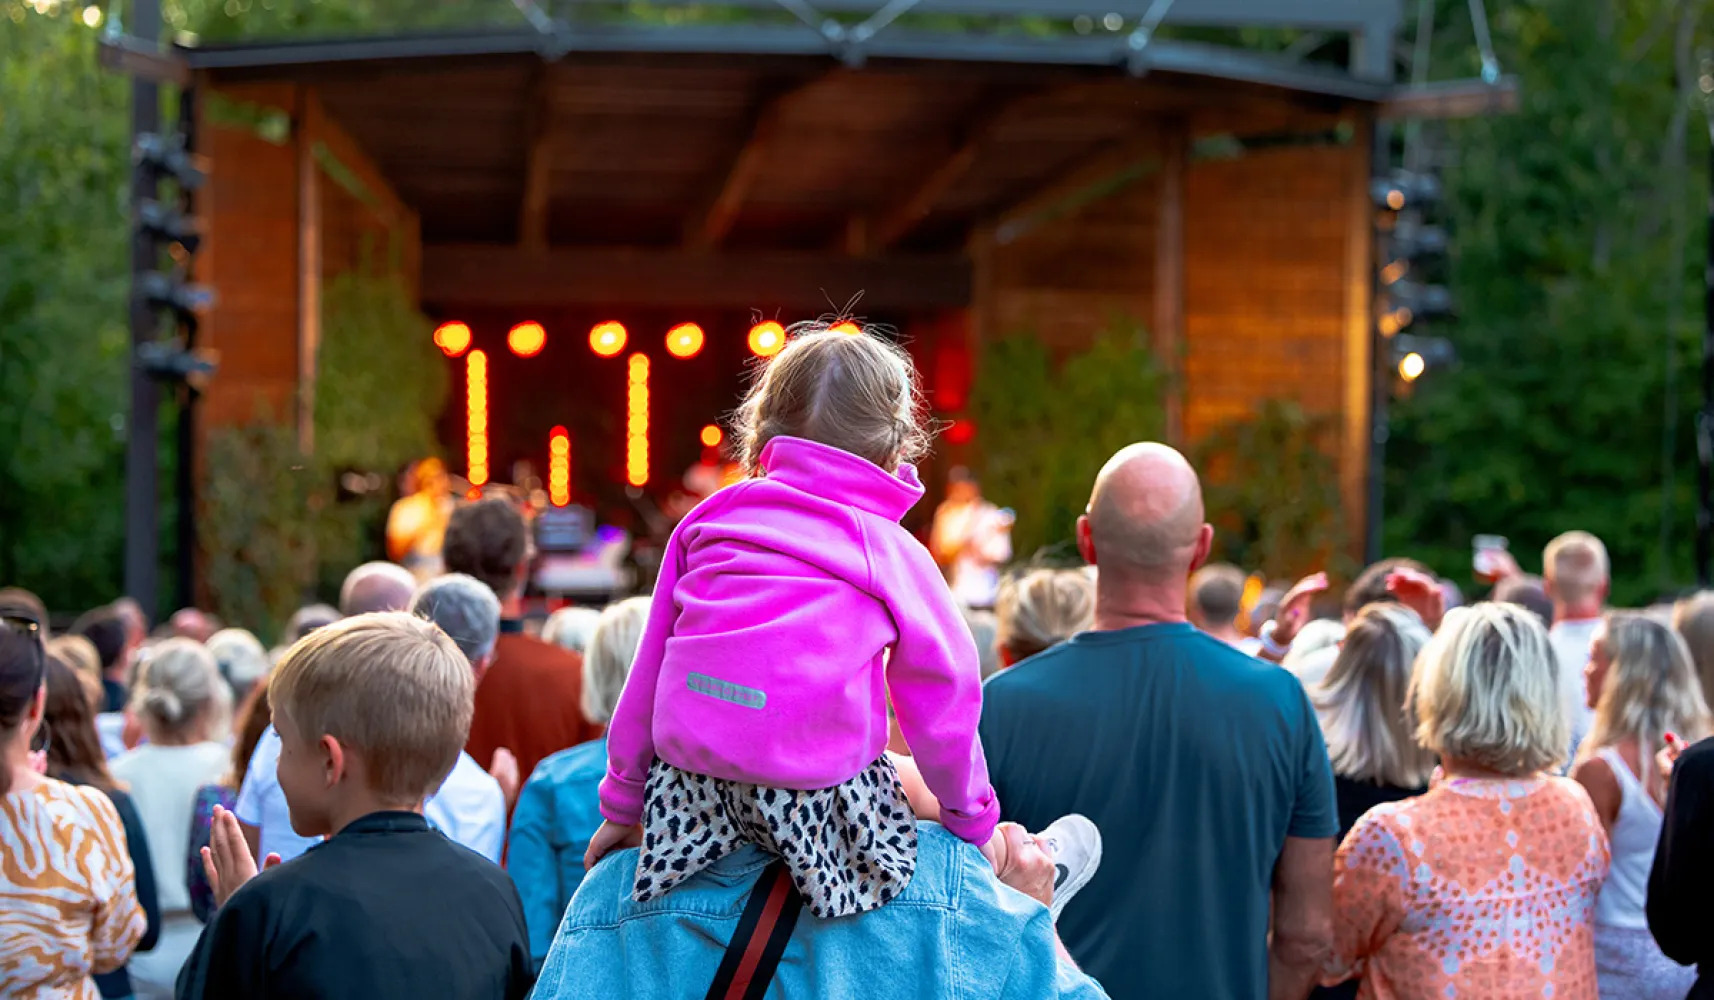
[{"x": 1273, "y": 283}]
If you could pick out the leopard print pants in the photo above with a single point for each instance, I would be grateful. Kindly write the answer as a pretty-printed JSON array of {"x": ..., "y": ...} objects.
[{"x": 850, "y": 848}]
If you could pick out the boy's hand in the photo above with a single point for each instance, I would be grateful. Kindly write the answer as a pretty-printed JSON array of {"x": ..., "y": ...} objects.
[
  {"x": 226, "y": 860},
  {"x": 611, "y": 837}
]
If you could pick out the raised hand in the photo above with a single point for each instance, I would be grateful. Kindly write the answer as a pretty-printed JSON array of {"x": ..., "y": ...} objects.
[
  {"x": 504, "y": 769},
  {"x": 1419, "y": 592},
  {"x": 1296, "y": 607},
  {"x": 226, "y": 861}
]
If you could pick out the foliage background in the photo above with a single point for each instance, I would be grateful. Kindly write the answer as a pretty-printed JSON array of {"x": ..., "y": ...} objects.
[{"x": 1578, "y": 241}]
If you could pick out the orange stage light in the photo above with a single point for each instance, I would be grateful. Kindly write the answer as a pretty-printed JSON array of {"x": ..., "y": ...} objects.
[
  {"x": 767, "y": 338},
  {"x": 607, "y": 339},
  {"x": 476, "y": 417},
  {"x": 848, "y": 328},
  {"x": 637, "y": 421},
  {"x": 712, "y": 435},
  {"x": 527, "y": 339},
  {"x": 684, "y": 340},
  {"x": 452, "y": 337},
  {"x": 559, "y": 467}
]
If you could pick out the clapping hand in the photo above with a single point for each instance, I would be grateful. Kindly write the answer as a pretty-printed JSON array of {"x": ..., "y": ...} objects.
[{"x": 226, "y": 860}]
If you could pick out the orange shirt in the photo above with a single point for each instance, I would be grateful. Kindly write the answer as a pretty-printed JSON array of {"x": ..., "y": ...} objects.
[
  {"x": 1476, "y": 889},
  {"x": 68, "y": 890}
]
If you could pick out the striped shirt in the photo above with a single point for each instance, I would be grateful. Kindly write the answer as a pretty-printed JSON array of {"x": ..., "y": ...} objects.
[{"x": 67, "y": 891}]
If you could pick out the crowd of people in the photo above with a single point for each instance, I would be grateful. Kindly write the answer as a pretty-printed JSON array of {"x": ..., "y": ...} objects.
[{"x": 803, "y": 767}]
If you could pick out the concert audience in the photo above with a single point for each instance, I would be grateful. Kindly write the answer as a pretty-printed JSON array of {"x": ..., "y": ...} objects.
[
  {"x": 1642, "y": 685},
  {"x": 525, "y": 703},
  {"x": 469, "y": 806},
  {"x": 1040, "y": 610},
  {"x": 1526, "y": 591},
  {"x": 1208, "y": 763},
  {"x": 1499, "y": 841},
  {"x": 309, "y": 618},
  {"x": 242, "y": 659},
  {"x": 1693, "y": 617},
  {"x": 106, "y": 631},
  {"x": 371, "y": 713},
  {"x": 74, "y": 756},
  {"x": 179, "y": 698},
  {"x": 79, "y": 654},
  {"x": 1574, "y": 567},
  {"x": 376, "y": 586},
  {"x": 73, "y": 911},
  {"x": 559, "y": 807},
  {"x": 1361, "y": 704}
]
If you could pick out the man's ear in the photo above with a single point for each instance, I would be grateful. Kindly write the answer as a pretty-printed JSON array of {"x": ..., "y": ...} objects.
[
  {"x": 1085, "y": 540},
  {"x": 1204, "y": 547},
  {"x": 335, "y": 761}
]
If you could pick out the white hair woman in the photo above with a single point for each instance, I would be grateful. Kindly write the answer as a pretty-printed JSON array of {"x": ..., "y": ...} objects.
[
  {"x": 1641, "y": 682},
  {"x": 559, "y": 807},
  {"x": 181, "y": 702},
  {"x": 242, "y": 660},
  {"x": 1421, "y": 885},
  {"x": 1361, "y": 703},
  {"x": 570, "y": 628}
]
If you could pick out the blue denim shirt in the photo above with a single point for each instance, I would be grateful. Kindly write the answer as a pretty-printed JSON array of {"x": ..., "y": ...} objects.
[
  {"x": 557, "y": 813},
  {"x": 955, "y": 933}
]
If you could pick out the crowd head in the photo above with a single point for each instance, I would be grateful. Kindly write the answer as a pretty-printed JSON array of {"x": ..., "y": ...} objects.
[
  {"x": 1041, "y": 609},
  {"x": 376, "y": 586},
  {"x": 1642, "y": 684},
  {"x": 489, "y": 541},
  {"x": 607, "y": 662},
  {"x": 570, "y": 628},
  {"x": 1576, "y": 572},
  {"x": 466, "y": 610},
  {"x": 1145, "y": 523},
  {"x": 23, "y": 665},
  {"x": 1362, "y": 699},
  {"x": 179, "y": 696}
]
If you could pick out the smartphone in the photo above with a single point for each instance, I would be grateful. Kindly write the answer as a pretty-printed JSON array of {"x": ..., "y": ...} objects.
[{"x": 1484, "y": 560}]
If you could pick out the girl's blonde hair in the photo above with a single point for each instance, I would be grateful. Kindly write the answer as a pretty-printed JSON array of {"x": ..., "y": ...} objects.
[
  {"x": 1370, "y": 736},
  {"x": 1651, "y": 689},
  {"x": 1486, "y": 691},
  {"x": 858, "y": 393}
]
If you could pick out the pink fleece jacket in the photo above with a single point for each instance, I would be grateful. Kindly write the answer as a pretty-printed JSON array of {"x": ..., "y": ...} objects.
[{"x": 762, "y": 660}]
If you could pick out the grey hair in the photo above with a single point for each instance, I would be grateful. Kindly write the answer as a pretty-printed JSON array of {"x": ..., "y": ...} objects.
[
  {"x": 465, "y": 608},
  {"x": 856, "y": 393},
  {"x": 376, "y": 586},
  {"x": 242, "y": 658},
  {"x": 608, "y": 662},
  {"x": 309, "y": 618},
  {"x": 985, "y": 630},
  {"x": 1361, "y": 703},
  {"x": 1042, "y": 609},
  {"x": 570, "y": 628},
  {"x": 178, "y": 688},
  {"x": 1486, "y": 690}
]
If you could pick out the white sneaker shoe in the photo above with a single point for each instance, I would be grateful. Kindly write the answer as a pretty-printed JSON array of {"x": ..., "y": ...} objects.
[{"x": 1074, "y": 843}]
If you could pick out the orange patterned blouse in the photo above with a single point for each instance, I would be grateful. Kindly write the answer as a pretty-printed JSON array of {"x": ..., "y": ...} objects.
[
  {"x": 67, "y": 889},
  {"x": 1478, "y": 889}
]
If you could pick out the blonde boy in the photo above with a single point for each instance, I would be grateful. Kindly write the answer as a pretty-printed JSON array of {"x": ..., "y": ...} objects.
[{"x": 372, "y": 713}]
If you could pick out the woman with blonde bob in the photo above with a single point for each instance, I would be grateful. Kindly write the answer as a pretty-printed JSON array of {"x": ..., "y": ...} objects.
[
  {"x": 1361, "y": 704},
  {"x": 1040, "y": 610},
  {"x": 1420, "y": 886},
  {"x": 1641, "y": 681}
]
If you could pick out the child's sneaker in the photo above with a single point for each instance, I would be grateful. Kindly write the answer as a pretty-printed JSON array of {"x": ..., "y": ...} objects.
[{"x": 1074, "y": 843}]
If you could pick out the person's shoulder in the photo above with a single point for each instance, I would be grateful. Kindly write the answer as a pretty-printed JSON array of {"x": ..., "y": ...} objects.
[
  {"x": 527, "y": 657},
  {"x": 586, "y": 760},
  {"x": 88, "y": 802},
  {"x": 131, "y": 762},
  {"x": 1040, "y": 669},
  {"x": 604, "y": 895}
]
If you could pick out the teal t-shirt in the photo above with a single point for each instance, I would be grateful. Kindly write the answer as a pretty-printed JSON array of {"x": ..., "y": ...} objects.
[{"x": 1196, "y": 762}]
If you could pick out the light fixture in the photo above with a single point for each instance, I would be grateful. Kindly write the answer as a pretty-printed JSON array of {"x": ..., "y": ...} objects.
[
  {"x": 637, "y": 421},
  {"x": 559, "y": 467},
  {"x": 712, "y": 435},
  {"x": 1411, "y": 367},
  {"x": 607, "y": 339},
  {"x": 847, "y": 327},
  {"x": 767, "y": 339},
  {"x": 684, "y": 340},
  {"x": 527, "y": 339},
  {"x": 476, "y": 417},
  {"x": 452, "y": 337}
]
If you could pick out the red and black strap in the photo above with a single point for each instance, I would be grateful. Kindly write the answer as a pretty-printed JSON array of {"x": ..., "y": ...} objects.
[{"x": 760, "y": 940}]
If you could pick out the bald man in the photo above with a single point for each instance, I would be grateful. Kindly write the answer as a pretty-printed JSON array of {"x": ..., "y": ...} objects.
[
  {"x": 1203, "y": 767},
  {"x": 376, "y": 586}
]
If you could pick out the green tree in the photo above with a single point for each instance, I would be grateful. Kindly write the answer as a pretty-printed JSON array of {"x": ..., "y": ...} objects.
[{"x": 1578, "y": 242}]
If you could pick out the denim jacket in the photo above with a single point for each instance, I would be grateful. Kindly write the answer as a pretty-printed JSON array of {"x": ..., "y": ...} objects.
[
  {"x": 955, "y": 933},
  {"x": 556, "y": 815}
]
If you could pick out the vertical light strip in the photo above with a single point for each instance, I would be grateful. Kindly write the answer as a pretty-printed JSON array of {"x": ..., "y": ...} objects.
[
  {"x": 637, "y": 421},
  {"x": 476, "y": 426},
  {"x": 559, "y": 467}
]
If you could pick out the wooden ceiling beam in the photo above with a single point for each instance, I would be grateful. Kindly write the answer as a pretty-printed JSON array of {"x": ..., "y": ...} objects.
[
  {"x": 538, "y": 162},
  {"x": 470, "y": 276},
  {"x": 708, "y": 226},
  {"x": 1122, "y": 161}
]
